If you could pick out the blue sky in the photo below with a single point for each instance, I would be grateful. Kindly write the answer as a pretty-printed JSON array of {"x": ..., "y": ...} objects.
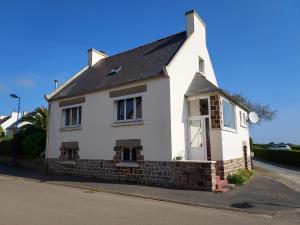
[{"x": 254, "y": 46}]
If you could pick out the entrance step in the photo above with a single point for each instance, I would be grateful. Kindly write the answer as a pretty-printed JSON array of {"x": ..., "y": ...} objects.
[{"x": 221, "y": 185}]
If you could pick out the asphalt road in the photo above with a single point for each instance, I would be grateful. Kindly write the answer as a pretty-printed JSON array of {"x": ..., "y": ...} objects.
[
  {"x": 37, "y": 203},
  {"x": 288, "y": 175}
]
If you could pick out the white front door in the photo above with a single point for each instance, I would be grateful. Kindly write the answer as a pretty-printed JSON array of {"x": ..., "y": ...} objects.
[{"x": 197, "y": 143}]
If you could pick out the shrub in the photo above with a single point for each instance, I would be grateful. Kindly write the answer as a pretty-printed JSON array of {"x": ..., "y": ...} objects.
[
  {"x": 20, "y": 136},
  {"x": 2, "y": 134},
  {"x": 240, "y": 177},
  {"x": 285, "y": 157},
  {"x": 33, "y": 145},
  {"x": 295, "y": 147},
  {"x": 5, "y": 146}
]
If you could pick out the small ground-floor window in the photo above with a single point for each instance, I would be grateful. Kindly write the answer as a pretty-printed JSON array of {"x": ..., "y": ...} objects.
[
  {"x": 128, "y": 154},
  {"x": 69, "y": 151},
  {"x": 71, "y": 154}
]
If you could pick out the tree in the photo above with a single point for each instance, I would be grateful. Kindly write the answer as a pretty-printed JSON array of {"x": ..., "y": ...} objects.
[
  {"x": 33, "y": 145},
  {"x": 264, "y": 112},
  {"x": 2, "y": 134},
  {"x": 38, "y": 119},
  {"x": 30, "y": 139}
]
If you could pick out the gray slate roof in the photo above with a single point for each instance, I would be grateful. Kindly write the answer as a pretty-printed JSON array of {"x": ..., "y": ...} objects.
[
  {"x": 200, "y": 85},
  {"x": 140, "y": 63}
]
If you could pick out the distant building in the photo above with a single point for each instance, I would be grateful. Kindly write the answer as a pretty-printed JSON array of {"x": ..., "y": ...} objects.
[{"x": 8, "y": 123}]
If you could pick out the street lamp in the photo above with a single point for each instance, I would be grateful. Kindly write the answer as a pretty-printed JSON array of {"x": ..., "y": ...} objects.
[
  {"x": 16, "y": 126},
  {"x": 19, "y": 98}
]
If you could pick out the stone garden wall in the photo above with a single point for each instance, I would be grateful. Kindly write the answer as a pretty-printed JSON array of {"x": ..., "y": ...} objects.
[
  {"x": 224, "y": 168},
  {"x": 173, "y": 174}
]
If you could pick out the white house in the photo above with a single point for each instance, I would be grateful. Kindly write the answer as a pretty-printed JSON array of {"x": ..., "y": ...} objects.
[
  {"x": 7, "y": 121},
  {"x": 156, "y": 106}
]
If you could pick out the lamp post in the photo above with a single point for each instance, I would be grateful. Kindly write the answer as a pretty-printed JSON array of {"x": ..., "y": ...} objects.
[{"x": 16, "y": 126}]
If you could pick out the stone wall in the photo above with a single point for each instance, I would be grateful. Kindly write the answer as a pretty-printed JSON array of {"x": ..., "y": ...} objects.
[
  {"x": 224, "y": 168},
  {"x": 216, "y": 111},
  {"x": 173, "y": 174}
]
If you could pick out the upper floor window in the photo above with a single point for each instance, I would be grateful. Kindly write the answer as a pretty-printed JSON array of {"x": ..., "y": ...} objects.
[
  {"x": 128, "y": 109},
  {"x": 243, "y": 119},
  {"x": 228, "y": 114},
  {"x": 71, "y": 117},
  {"x": 201, "y": 65}
]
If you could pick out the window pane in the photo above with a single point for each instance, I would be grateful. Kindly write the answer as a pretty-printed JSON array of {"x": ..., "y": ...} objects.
[
  {"x": 74, "y": 116},
  {"x": 129, "y": 108},
  {"x": 228, "y": 114},
  {"x": 79, "y": 115},
  {"x": 194, "y": 107},
  {"x": 195, "y": 134},
  {"x": 133, "y": 154},
  {"x": 126, "y": 154},
  {"x": 139, "y": 107},
  {"x": 204, "y": 107},
  {"x": 70, "y": 154},
  {"x": 120, "y": 110},
  {"x": 241, "y": 122},
  {"x": 67, "y": 117},
  {"x": 201, "y": 65}
]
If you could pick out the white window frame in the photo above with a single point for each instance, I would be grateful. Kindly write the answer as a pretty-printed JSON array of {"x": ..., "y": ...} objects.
[
  {"x": 201, "y": 65},
  {"x": 63, "y": 116},
  {"x": 235, "y": 117},
  {"x": 243, "y": 119},
  {"x": 115, "y": 106}
]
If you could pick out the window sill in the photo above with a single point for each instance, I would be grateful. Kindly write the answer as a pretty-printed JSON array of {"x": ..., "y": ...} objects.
[
  {"x": 128, "y": 123},
  {"x": 243, "y": 126},
  {"x": 229, "y": 129},
  {"x": 68, "y": 162},
  {"x": 127, "y": 164},
  {"x": 70, "y": 128}
]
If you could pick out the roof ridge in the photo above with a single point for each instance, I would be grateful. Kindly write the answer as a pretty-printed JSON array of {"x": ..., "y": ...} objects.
[{"x": 120, "y": 53}]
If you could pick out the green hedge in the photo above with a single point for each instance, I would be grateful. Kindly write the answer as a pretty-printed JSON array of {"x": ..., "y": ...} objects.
[
  {"x": 5, "y": 146},
  {"x": 33, "y": 145},
  {"x": 287, "y": 157},
  {"x": 295, "y": 147}
]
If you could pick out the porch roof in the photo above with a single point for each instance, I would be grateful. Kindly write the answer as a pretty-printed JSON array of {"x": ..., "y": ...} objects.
[{"x": 200, "y": 85}]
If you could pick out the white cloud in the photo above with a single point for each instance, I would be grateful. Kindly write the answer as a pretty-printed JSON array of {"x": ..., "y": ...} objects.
[{"x": 25, "y": 82}]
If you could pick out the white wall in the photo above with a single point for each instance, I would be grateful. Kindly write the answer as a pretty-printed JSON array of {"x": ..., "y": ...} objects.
[
  {"x": 181, "y": 71},
  {"x": 97, "y": 137},
  {"x": 216, "y": 144},
  {"x": 233, "y": 141}
]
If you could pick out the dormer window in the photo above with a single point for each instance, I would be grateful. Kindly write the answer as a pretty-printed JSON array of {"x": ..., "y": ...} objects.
[
  {"x": 201, "y": 65},
  {"x": 115, "y": 70}
]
